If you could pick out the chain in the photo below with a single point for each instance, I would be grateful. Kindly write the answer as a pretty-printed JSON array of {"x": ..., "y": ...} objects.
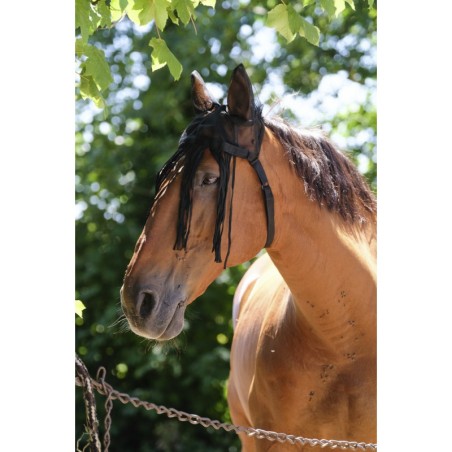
[
  {"x": 112, "y": 394},
  {"x": 108, "y": 406},
  {"x": 90, "y": 405}
]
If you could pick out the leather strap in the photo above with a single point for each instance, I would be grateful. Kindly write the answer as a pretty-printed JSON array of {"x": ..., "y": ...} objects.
[
  {"x": 268, "y": 200},
  {"x": 253, "y": 159}
]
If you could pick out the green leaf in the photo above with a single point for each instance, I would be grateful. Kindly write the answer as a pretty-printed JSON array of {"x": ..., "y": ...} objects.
[
  {"x": 328, "y": 6},
  {"x": 144, "y": 11},
  {"x": 162, "y": 56},
  {"x": 95, "y": 74},
  {"x": 371, "y": 4},
  {"x": 301, "y": 26},
  {"x": 104, "y": 12},
  {"x": 89, "y": 90},
  {"x": 82, "y": 20},
  {"x": 210, "y": 3},
  {"x": 79, "y": 307},
  {"x": 172, "y": 16},
  {"x": 140, "y": 11},
  {"x": 294, "y": 19},
  {"x": 278, "y": 19},
  {"x": 117, "y": 9},
  {"x": 352, "y": 4},
  {"x": 79, "y": 47},
  {"x": 97, "y": 67},
  {"x": 310, "y": 32},
  {"x": 185, "y": 9},
  {"x": 161, "y": 12},
  {"x": 340, "y": 6},
  {"x": 85, "y": 18}
]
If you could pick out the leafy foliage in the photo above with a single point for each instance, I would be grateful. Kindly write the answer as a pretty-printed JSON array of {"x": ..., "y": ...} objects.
[
  {"x": 79, "y": 307},
  {"x": 289, "y": 23},
  {"x": 95, "y": 75},
  {"x": 162, "y": 56},
  {"x": 286, "y": 19}
]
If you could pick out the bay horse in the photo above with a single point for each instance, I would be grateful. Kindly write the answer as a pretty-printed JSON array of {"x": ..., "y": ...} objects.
[{"x": 303, "y": 356}]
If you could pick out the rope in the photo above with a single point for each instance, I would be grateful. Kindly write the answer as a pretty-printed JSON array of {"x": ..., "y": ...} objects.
[{"x": 112, "y": 394}]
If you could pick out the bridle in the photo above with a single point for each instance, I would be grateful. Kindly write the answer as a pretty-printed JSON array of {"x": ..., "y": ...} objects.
[
  {"x": 208, "y": 130},
  {"x": 252, "y": 156}
]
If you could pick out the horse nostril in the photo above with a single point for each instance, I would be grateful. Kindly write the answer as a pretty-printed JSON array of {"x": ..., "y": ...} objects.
[{"x": 147, "y": 305}]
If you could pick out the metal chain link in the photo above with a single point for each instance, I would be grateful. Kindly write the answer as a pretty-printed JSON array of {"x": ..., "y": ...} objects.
[
  {"x": 90, "y": 405},
  {"x": 112, "y": 394},
  {"x": 108, "y": 406}
]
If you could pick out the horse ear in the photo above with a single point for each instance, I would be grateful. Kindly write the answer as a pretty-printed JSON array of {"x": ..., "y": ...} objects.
[
  {"x": 240, "y": 94},
  {"x": 202, "y": 100}
]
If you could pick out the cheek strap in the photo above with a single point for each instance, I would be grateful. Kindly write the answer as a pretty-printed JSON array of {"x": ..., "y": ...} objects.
[{"x": 253, "y": 159}]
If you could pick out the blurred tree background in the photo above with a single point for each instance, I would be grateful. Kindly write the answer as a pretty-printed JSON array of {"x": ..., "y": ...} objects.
[{"x": 118, "y": 156}]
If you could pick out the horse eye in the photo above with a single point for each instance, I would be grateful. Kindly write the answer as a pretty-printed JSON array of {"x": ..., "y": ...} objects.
[{"x": 209, "y": 180}]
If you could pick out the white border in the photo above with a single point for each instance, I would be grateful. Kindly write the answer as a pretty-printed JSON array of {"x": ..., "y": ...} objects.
[
  {"x": 415, "y": 225},
  {"x": 37, "y": 233}
]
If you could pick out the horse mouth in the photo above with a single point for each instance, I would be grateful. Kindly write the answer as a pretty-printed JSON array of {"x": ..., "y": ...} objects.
[
  {"x": 158, "y": 321},
  {"x": 176, "y": 324}
]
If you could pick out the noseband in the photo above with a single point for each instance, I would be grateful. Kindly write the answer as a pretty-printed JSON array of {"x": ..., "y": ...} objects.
[{"x": 208, "y": 130}]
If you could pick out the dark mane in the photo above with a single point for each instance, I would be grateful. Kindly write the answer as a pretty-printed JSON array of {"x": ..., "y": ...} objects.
[{"x": 330, "y": 178}]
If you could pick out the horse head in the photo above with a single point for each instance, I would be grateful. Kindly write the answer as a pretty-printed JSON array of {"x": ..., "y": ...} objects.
[{"x": 208, "y": 211}]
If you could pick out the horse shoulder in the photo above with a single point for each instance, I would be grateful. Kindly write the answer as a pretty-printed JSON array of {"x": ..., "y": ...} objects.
[
  {"x": 246, "y": 284},
  {"x": 257, "y": 292}
]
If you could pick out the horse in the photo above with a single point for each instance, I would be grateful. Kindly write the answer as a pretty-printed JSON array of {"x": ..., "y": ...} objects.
[{"x": 303, "y": 355}]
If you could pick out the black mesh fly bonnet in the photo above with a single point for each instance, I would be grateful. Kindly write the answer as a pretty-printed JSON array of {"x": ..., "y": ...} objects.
[{"x": 217, "y": 131}]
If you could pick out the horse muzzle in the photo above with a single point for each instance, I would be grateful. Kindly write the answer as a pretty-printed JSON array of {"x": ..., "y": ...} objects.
[{"x": 154, "y": 314}]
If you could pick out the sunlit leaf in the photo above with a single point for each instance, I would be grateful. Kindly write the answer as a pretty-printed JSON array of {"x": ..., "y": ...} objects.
[
  {"x": 85, "y": 18},
  {"x": 89, "y": 90},
  {"x": 82, "y": 19},
  {"x": 210, "y": 3},
  {"x": 97, "y": 67},
  {"x": 79, "y": 47},
  {"x": 161, "y": 12},
  {"x": 310, "y": 32},
  {"x": 278, "y": 19},
  {"x": 79, "y": 307},
  {"x": 294, "y": 19},
  {"x": 144, "y": 11},
  {"x": 371, "y": 4},
  {"x": 340, "y": 6},
  {"x": 117, "y": 9},
  {"x": 351, "y": 3},
  {"x": 328, "y": 6},
  {"x": 104, "y": 12},
  {"x": 172, "y": 16},
  {"x": 162, "y": 56},
  {"x": 185, "y": 9},
  {"x": 95, "y": 75},
  {"x": 140, "y": 11},
  {"x": 301, "y": 26}
]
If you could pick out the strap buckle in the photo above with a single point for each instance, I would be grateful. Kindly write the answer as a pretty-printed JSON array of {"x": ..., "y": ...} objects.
[{"x": 265, "y": 186}]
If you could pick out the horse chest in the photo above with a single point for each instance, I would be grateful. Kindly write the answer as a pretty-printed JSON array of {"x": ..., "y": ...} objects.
[{"x": 308, "y": 390}]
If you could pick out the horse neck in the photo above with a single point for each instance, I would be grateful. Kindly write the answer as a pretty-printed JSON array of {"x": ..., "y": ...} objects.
[{"x": 328, "y": 264}]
